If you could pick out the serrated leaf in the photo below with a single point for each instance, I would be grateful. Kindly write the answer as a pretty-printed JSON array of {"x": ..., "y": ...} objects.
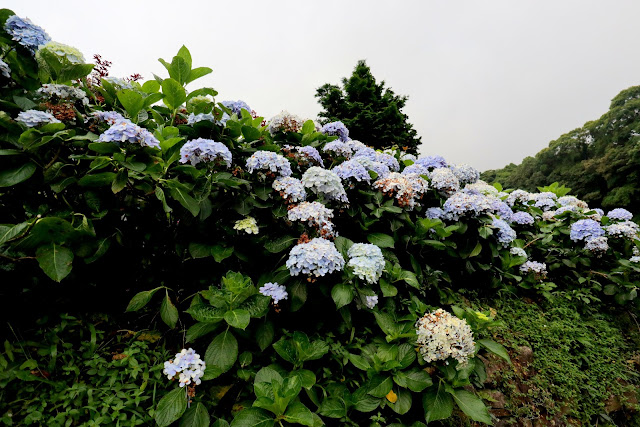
[
  {"x": 221, "y": 354},
  {"x": 253, "y": 417},
  {"x": 171, "y": 407},
  {"x": 237, "y": 318},
  {"x": 196, "y": 416},
  {"x": 140, "y": 299},
  {"x": 55, "y": 260},
  {"x": 174, "y": 93},
  {"x": 472, "y": 406},
  {"x": 381, "y": 240},
  {"x": 438, "y": 404},
  {"x": 169, "y": 312}
]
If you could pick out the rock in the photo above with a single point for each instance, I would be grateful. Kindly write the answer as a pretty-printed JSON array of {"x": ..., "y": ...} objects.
[
  {"x": 524, "y": 355},
  {"x": 496, "y": 399}
]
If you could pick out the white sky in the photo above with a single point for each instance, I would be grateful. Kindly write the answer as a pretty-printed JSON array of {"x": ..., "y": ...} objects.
[{"x": 489, "y": 82}]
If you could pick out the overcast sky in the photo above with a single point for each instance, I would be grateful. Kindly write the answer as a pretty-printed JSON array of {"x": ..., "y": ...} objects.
[{"x": 489, "y": 82}]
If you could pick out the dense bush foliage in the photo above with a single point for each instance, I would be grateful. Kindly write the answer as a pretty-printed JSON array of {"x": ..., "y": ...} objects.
[{"x": 306, "y": 269}]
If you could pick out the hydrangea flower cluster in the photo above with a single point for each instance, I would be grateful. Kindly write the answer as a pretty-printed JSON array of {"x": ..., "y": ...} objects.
[
  {"x": 380, "y": 169},
  {"x": 598, "y": 245},
  {"x": 518, "y": 252},
  {"x": 32, "y": 118},
  {"x": 371, "y": 301},
  {"x": 636, "y": 255},
  {"x": 545, "y": 200},
  {"x": 339, "y": 148},
  {"x": 501, "y": 208},
  {"x": 285, "y": 122},
  {"x": 466, "y": 174},
  {"x": 204, "y": 150},
  {"x": 291, "y": 189},
  {"x": 275, "y": 291},
  {"x": 305, "y": 154},
  {"x": 441, "y": 335},
  {"x": 619, "y": 214},
  {"x": 352, "y": 171},
  {"x": 483, "y": 188},
  {"x": 63, "y": 92},
  {"x": 444, "y": 180},
  {"x": 538, "y": 268},
  {"x": 317, "y": 257},
  {"x": 415, "y": 168},
  {"x": 367, "y": 262},
  {"x": 386, "y": 159},
  {"x": 434, "y": 213},
  {"x": 111, "y": 117},
  {"x": 405, "y": 188},
  {"x": 69, "y": 53},
  {"x": 195, "y": 118},
  {"x": 572, "y": 201},
  {"x": 431, "y": 162},
  {"x": 628, "y": 229},
  {"x": 26, "y": 32},
  {"x": 125, "y": 131},
  {"x": 518, "y": 196},
  {"x": 5, "y": 69},
  {"x": 522, "y": 218},
  {"x": 336, "y": 129},
  {"x": 248, "y": 225},
  {"x": 324, "y": 182},
  {"x": 188, "y": 365},
  {"x": 269, "y": 161},
  {"x": 585, "y": 229},
  {"x": 236, "y": 107},
  {"x": 463, "y": 202},
  {"x": 315, "y": 214},
  {"x": 563, "y": 209},
  {"x": 505, "y": 234}
]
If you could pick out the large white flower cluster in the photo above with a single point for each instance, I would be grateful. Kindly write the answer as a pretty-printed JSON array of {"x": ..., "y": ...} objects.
[
  {"x": 316, "y": 215},
  {"x": 324, "y": 182},
  {"x": 188, "y": 365},
  {"x": 367, "y": 261},
  {"x": 317, "y": 257},
  {"x": 285, "y": 122},
  {"x": 441, "y": 335}
]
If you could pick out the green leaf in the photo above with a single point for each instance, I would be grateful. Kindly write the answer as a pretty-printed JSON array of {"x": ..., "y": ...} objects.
[
  {"x": 299, "y": 414},
  {"x": 131, "y": 101},
  {"x": 171, "y": 407},
  {"x": 333, "y": 408},
  {"x": 472, "y": 406},
  {"x": 308, "y": 127},
  {"x": 97, "y": 180},
  {"x": 380, "y": 386},
  {"x": 104, "y": 147},
  {"x": 387, "y": 289},
  {"x": 403, "y": 404},
  {"x": 279, "y": 244},
  {"x": 221, "y": 354},
  {"x": 381, "y": 240},
  {"x": 9, "y": 233},
  {"x": 220, "y": 253},
  {"x": 250, "y": 133},
  {"x": 495, "y": 348},
  {"x": 55, "y": 260},
  {"x": 185, "y": 55},
  {"x": 196, "y": 416},
  {"x": 199, "y": 250},
  {"x": 160, "y": 196},
  {"x": 200, "y": 329},
  {"x": 196, "y": 73},
  {"x": 179, "y": 70},
  {"x": 438, "y": 404},
  {"x": 342, "y": 294},
  {"x": 417, "y": 380},
  {"x": 476, "y": 250},
  {"x": 151, "y": 86},
  {"x": 174, "y": 93},
  {"x": 15, "y": 176},
  {"x": 140, "y": 299},
  {"x": 180, "y": 194},
  {"x": 169, "y": 312},
  {"x": 253, "y": 417},
  {"x": 359, "y": 362},
  {"x": 237, "y": 318},
  {"x": 120, "y": 181},
  {"x": 264, "y": 335}
]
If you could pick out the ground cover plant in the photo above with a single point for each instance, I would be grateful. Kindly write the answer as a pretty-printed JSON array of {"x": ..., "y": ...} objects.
[{"x": 302, "y": 277}]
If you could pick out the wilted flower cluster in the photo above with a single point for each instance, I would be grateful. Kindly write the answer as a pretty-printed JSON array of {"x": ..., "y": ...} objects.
[
  {"x": 125, "y": 131},
  {"x": 315, "y": 214},
  {"x": 619, "y": 214},
  {"x": 466, "y": 174},
  {"x": 367, "y": 262},
  {"x": 275, "y": 291},
  {"x": 285, "y": 122},
  {"x": 522, "y": 218},
  {"x": 444, "y": 180},
  {"x": 324, "y": 182},
  {"x": 236, "y": 107},
  {"x": 405, "y": 188},
  {"x": 26, "y": 33},
  {"x": 32, "y": 118},
  {"x": 597, "y": 245},
  {"x": 317, "y": 257},
  {"x": 69, "y": 53},
  {"x": 538, "y": 268},
  {"x": 204, "y": 150},
  {"x": 518, "y": 252},
  {"x": 248, "y": 225},
  {"x": 269, "y": 161},
  {"x": 505, "y": 234},
  {"x": 291, "y": 189},
  {"x": 304, "y": 154},
  {"x": 585, "y": 229},
  {"x": 64, "y": 92},
  {"x": 351, "y": 171},
  {"x": 188, "y": 365},
  {"x": 627, "y": 229},
  {"x": 336, "y": 129},
  {"x": 441, "y": 335}
]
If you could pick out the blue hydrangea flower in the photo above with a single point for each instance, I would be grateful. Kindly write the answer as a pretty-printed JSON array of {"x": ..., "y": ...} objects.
[
  {"x": 339, "y": 148},
  {"x": 444, "y": 180},
  {"x": 367, "y": 261},
  {"x": 306, "y": 154},
  {"x": 386, "y": 159},
  {"x": 291, "y": 189},
  {"x": 599, "y": 211},
  {"x": 416, "y": 168},
  {"x": 371, "y": 165},
  {"x": 585, "y": 229},
  {"x": 195, "y": 118},
  {"x": 111, "y": 117},
  {"x": 518, "y": 196},
  {"x": 275, "y": 291},
  {"x": 619, "y": 214},
  {"x": 236, "y": 107},
  {"x": 563, "y": 209},
  {"x": 545, "y": 203},
  {"x": 505, "y": 234},
  {"x": 371, "y": 301},
  {"x": 324, "y": 182},
  {"x": 336, "y": 129},
  {"x": 26, "y": 33},
  {"x": 204, "y": 150},
  {"x": 434, "y": 213},
  {"x": 431, "y": 162},
  {"x": 5, "y": 69},
  {"x": 352, "y": 170},
  {"x": 125, "y": 131},
  {"x": 538, "y": 268},
  {"x": 502, "y": 209},
  {"x": 188, "y": 365},
  {"x": 316, "y": 215},
  {"x": 32, "y": 118},
  {"x": 269, "y": 161},
  {"x": 522, "y": 218},
  {"x": 466, "y": 174},
  {"x": 317, "y": 257}
]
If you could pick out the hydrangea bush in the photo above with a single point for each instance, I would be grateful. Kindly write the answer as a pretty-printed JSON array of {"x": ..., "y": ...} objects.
[{"x": 315, "y": 275}]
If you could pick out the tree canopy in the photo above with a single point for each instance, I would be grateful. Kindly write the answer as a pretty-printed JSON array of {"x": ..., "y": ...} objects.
[{"x": 371, "y": 111}]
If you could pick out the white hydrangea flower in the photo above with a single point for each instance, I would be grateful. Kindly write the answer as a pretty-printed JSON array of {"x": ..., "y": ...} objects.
[
  {"x": 188, "y": 365},
  {"x": 367, "y": 261},
  {"x": 441, "y": 335},
  {"x": 324, "y": 182},
  {"x": 248, "y": 225}
]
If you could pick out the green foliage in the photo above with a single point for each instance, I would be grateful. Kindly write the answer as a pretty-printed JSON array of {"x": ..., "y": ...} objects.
[{"x": 371, "y": 111}]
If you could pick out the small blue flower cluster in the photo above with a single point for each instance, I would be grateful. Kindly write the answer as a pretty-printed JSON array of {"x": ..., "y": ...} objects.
[
  {"x": 204, "y": 150},
  {"x": 317, "y": 257},
  {"x": 367, "y": 262},
  {"x": 26, "y": 33},
  {"x": 545, "y": 200},
  {"x": 415, "y": 168},
  {"x": 5, "y": 69},
  {"x": 434, "y": 213},
  {"x": 351, "y": 171},
  {"x": 275, "y": 291},
  {"x": 339, "y": 148},
  {"x": 111, "y": 117},
  {"x": 505, "y": 234},
  {"x": 195, "y": 118},
  {"x": 32, "y": 118},
  {"x": 188, "y": 365},
  {"x": 316, "y": 215},
  {"x": 627, "y": 229},
  {"x": 501, "y": 209},
  {"x": 386, "y": 159},
  {"x": 125, "y": 131},
  {"x": 522, "y": 218},
  {"x": 585, "y": 229},
  {"x": 466, "y": 174},
  {"x": 538, "y": 268},
  {"x": 431, "y": 162},
  {"x": 619, "y": 214},
  {"x": 336, "y": 129},
  {"x": 269, "y": 161},
  {"x": 305, "y": 153},
  {"x": 324, "y": 182},
  {"x": 380, "y": 169},
  {"x": 291, "y": 189},
  {"x": 236, "y": 107}
]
